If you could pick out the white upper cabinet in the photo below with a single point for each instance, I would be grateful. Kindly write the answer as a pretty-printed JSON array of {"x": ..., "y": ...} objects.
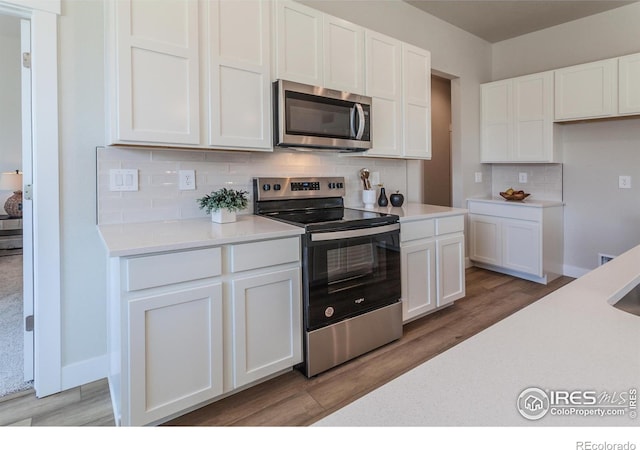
[
  {"x": 587, "y": 91},
  {"x": 343, "y": 64},
  {"x": 239, "y": 74},
  {"x": 398, "y": 79},
  {"x": 416, "y": 104},
  {"x": 629, "y": 84},
  {"x": 384, "y": 85},
  {"x": 517, "y": 120},
  {"x": 318, "y": 49},
  {"x": 164, "y": 89},
  {"x": 496, "y": 121},
  {"x": 156, "y": 96},
  {"x": 298, "y": 43}
]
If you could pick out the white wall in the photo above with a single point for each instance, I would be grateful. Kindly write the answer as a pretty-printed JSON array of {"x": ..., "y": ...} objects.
[
  {"x": 599, "y": 217},
  {"x": 601, "y": 36},
  {"x": 10, "y": 112},
  {"x": 82, "y": 119}
]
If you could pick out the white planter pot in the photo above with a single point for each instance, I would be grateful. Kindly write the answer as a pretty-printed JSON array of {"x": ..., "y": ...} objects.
[{"x": 223, "y": 216}]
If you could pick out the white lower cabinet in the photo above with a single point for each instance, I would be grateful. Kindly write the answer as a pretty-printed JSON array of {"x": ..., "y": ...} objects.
[
  {"x": 267, "y": 331},
  {"x": 418, "y": 274},
  {"x": 187, "y": 327},
  {"x": 175, "y": 351},
  {"x": 432, "y": 264},
  {"x": 519, "y": 239}
]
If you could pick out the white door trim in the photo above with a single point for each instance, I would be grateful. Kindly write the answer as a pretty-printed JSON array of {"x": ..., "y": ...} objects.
[
  {"x": 27, "y": 206},
  {"x": 46, "y": 198}
]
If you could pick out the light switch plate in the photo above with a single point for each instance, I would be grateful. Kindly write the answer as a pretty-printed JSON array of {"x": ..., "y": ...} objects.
[
  {"x": 522, "y": 177},
  {"x": 478, "y": 177},
  {"x": 123, "y": 180}
]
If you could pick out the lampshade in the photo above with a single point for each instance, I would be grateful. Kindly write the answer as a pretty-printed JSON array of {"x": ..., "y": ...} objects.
[{"x": 11, "y": 181}]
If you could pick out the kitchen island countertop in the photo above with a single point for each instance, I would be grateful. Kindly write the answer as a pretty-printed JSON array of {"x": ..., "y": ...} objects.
[
  {"x": 149, "y": 237},
  {"x": 572, "y": 340}
]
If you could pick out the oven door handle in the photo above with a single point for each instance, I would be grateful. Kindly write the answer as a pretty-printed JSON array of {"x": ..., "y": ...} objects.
[{"x": 360, "y": 232}]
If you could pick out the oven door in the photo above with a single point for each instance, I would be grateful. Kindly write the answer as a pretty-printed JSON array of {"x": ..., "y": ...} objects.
[{"x": 350, "y": 272}]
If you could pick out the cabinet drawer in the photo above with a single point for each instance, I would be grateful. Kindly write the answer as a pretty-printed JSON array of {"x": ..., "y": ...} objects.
[
  {"x": 510, "y": 211},
  {"x": 420, "y": 229},
  {"x": 446, "y": 225},
  {"x": 254, "y": 255},
  {"x": 159, "y": 270}
]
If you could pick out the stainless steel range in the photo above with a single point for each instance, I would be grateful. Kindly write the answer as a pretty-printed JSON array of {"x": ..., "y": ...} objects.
[{"x": 351, "y": 268}]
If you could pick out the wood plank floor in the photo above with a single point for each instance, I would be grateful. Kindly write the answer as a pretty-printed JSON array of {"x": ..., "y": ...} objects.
[{"x": 293, "y": 400}]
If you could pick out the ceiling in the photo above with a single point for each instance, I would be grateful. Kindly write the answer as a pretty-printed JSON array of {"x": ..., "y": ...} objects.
[{"x": 496, "y": 21}]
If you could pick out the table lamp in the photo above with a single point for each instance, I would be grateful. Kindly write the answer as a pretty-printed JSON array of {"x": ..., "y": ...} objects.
[{"x": 12, "y": 181}]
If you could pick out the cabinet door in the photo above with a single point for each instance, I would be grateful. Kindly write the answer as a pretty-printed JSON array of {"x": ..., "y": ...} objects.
[
  {"x": 629, "y": 84},
  {"x": 485, "y": 244},
  {"x": 533, "y": 118},
  {"x": 267, "y": 325},
  {"x": 450, "y": 268},
  {"x": 522, "y": 246},
  {"x": 157, "y": 88},
  {"x": 416, "y": 102},
  {"x": 384, "y": 85},
  {"x": 240, "y": 78},
  {"x": 298, "y": 43},
  {"x": 587, "y": 90},
  {"x": 418, "y": 271},
  {"x": 343, "y": 44},
  {"x": 175, "y": 352},
  {"x": 496, "y": 121}
]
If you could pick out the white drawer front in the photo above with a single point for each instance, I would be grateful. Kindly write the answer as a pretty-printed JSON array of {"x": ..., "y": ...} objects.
[
  {"x": 254, "y": 255},
  {"x": 159, "y": 270},
  {"x": 419, "y": 229},
  {"x": 507, "y": 210},
  {"x": 446, "y": 225}
]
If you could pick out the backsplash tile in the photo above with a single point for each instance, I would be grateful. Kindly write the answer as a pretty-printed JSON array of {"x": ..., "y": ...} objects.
[
  {"x": 158, "y": 197},
  {"x": 544, "y": 181}
]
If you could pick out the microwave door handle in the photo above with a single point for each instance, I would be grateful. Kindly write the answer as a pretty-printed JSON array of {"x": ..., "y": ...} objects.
[
  {"x": 361, "y": 124},
  {"x": 352, "y": 117}
]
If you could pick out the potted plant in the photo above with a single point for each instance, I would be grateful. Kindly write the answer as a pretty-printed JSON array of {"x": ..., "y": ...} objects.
[{"x": 223, "y": 204}]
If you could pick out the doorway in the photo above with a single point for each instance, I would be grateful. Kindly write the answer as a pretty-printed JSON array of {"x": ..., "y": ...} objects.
[
  {"x": 437, "y": 170},
  {"x": 16, "y": 299},
  {"x": 41, "y": 175}
]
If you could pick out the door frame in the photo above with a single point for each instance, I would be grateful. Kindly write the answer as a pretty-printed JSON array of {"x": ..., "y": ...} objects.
[{"x": 45, "y": 181}]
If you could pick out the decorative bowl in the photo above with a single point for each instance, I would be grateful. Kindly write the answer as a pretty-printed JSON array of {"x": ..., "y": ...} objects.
[{"x": 516, "y": 196}]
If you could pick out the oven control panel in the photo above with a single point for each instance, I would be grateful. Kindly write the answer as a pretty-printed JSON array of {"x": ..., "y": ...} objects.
[{"x": 291, "y": 188}]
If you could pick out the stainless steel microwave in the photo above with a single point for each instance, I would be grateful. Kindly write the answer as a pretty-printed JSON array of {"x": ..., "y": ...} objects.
[{"x": 314, "y": 117}]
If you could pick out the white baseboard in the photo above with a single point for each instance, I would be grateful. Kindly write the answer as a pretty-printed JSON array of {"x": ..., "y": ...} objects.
[
  {"x": 83, "y": 372},
  {"x": 573, "y": 271},
  {"x": 467, "y": 263}
]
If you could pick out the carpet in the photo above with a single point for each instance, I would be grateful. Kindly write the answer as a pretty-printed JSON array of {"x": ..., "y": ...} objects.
[{"x": 11, "y": 337}]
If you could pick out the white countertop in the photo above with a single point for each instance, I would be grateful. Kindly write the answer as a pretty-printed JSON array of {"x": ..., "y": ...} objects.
[
  {"x": 524, "y": 203},
  {"x": 140, "y": 238},
  {"x": 572, "y": 339},
  {"x": 415, "y": 211}
]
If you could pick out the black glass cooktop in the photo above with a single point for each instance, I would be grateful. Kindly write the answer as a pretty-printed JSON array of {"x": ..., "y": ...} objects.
[{"x": 333, "y": 218}]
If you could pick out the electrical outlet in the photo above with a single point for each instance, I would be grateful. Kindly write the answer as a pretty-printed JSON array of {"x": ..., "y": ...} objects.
[
  {"x": 522, "y": 177},
  {"x": 375, "y": 178},
  {"x": 624, "y": 182},
  {"x": 187, "y": 180},
  {"x": 123, "y": 180},
  {"x": 478, "y": 177}
]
